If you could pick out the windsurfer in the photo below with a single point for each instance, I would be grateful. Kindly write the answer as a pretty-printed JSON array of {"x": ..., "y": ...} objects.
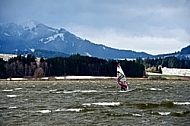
[
  {"x": 123, "y": 84},
  {"x": 121, "y": 78}
]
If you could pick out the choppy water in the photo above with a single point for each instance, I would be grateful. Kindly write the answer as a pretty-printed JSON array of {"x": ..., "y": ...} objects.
[{"x": 94, "y": 103}]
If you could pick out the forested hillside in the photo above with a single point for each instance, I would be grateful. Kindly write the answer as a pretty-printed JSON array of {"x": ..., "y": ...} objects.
[
  {"x": 22, "y": 66},
  {"x": 78, "y": 65}
]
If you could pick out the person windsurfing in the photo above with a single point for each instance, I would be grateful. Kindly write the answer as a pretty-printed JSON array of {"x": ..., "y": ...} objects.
[{"x": 121, "y": 79}]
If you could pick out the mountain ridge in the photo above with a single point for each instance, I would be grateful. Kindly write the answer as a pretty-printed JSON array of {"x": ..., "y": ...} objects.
[{"x": 37, "y": 36}]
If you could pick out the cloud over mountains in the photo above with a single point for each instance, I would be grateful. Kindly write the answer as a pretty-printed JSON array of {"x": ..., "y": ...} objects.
[{"x": 125, "y": 24}]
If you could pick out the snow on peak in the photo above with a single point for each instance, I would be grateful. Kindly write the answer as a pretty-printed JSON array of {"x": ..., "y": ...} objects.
[
  {"x": 88, "y": 54},
  {"x": 52, "y": 38},
  {"x": 30, "y": 24},
  {"x": 32, "y": 50}
]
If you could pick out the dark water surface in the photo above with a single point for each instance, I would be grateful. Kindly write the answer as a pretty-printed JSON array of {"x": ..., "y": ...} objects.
[{"x": 96, "y": 103}]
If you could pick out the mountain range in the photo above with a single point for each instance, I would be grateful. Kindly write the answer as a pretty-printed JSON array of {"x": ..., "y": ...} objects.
[{"x": 43, "y": 41}]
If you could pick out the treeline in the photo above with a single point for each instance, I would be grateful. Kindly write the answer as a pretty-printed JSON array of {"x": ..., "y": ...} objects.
[
  {"x": 19, "y": 66},
  {"x": 22, "y": 66},
  {"x": 91, "y": 66},
  {"x": 155, "y": 64},
  {"x": 30, "y": 66}
]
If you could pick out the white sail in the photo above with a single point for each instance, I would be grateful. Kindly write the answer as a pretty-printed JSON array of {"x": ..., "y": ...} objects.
[
  {"x": 120, "y": 73},
  {"x": 121, "y": 78}
]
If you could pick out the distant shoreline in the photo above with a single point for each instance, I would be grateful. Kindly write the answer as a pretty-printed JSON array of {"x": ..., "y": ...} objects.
[
  {"x": 60, "y": 78},
  {"x": 64, "y": 78}
]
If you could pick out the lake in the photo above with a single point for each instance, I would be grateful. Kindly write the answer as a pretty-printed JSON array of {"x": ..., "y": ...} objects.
[{"x": 94, "y": 102}]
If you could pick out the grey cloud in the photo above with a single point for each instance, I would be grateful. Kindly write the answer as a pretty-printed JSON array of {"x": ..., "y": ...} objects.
[{"x": 131, "y": 18}]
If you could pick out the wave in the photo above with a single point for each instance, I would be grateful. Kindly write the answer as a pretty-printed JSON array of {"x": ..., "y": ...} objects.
[
  {"x": 103, "y": 104},
  {"x": 7, "y": 90},
  {"x": 181, "y": 114},
  {"x": 86, "y": 91},
  {"x": 53, "y": 90},
  {"x": 124, "y": 114},
  {"x": 155, "y": 89},
  {"x": 12, "y": 96},
  {"x": 181, "y": 103},
  {"x": 12, "y": 107},
  {"x": 164, "y": 113},
  {"x": 72, "y": 91},
  {"x": 176, "y": 114},
  {"x": 152, "y": 105},
  {"x": 136, "y": 114},
  {"x": 5, "y": 107},
  {"x": 81, "y": 91},
  {"x": 18, "y": 88},
  {"x": 44, "y": 111},
  {"x": 168, "y": 104},
  {"x": 71, "y": 109}
]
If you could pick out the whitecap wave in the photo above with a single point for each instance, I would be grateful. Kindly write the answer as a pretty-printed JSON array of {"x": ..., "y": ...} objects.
[
  {"x": 71, "y": 109},
  {"x": 89, "y": 91},
  {"x": 181, "y": 103},
  {"x": 86, "y": 91},
  {"x": 53, "y": 90},
  {"x": 44, "y": 111},
  {"x": 18, "y": 88},
  {"x": 137, "y": 115},
  {"x": 103, "y": 104},
  {"x": 12, "y": 96},
  {"x": 155, "y": 89},
  {"x": 59, "y": 110},
  {"x": 74, "y": 109},
  {"x": 12, "y": 107},
  {"x": 81, "y": 91},
  {"x": 7, "y": 90},
  {"x": 92, "y": 91},
  {"x": 164, "y": 113}
]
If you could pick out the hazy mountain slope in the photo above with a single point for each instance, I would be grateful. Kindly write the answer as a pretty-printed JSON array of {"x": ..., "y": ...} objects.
[{"x": 37, "y": 36}]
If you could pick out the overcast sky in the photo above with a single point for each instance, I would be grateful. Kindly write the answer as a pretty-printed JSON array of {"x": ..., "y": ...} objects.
[{"x": 152, "y": 26}]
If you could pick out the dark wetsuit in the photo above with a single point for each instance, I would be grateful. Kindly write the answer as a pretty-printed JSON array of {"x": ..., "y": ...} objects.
[
  {"x": 123, "y": 89},
  {"x": 123, "y": 85}
]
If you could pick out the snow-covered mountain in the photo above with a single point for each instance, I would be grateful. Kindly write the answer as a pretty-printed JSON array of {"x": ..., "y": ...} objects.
[{"x": 32, "y": 36}]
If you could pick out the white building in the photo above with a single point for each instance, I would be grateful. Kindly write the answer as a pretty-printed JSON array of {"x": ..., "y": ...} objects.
[
  {"x": 6, "y": 57},
  {"x": 175, "y": 71}
]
